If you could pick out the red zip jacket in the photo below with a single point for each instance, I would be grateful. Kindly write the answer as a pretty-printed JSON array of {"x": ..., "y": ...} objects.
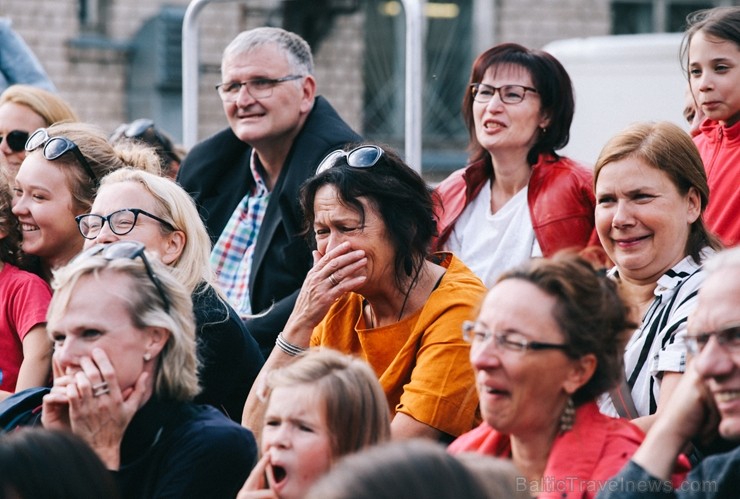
[{"x": 719, "y": 147}]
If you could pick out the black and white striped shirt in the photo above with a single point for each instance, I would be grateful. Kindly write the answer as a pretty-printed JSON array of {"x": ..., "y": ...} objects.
[{"x": 659, "y": 344}]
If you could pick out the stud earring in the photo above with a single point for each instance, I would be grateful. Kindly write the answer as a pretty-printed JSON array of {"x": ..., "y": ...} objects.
[{"x": 147, "y": 357}]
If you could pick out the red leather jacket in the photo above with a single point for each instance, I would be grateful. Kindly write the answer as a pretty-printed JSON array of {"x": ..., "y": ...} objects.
[{"x": 560, "y": 198}]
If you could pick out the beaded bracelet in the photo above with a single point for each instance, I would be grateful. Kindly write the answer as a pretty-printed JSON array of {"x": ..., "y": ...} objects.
[{"x": 288, "y": 348}]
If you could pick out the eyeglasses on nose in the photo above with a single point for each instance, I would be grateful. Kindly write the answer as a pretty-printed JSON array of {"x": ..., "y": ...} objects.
[
  {"x": 121, "y": 222},
  {"x": 476, "y": 334},
  {"x": 259, "y": 88},
  {"x": 509, "y": 94},
  {"x": 16, "y": 140},
  {"x": 728, "y": 337},
  {"x": 128, "y": 250},
  {"x": 56, "y": 147},
  {"x": 359, "y": 157}
]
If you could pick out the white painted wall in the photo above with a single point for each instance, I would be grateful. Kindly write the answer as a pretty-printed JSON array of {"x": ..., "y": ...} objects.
[{"x": 619, "y": 80}]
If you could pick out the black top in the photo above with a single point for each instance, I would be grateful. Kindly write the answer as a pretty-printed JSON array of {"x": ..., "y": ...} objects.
[
  {"x": 216, "y": 173},
  {"x": 177, "y": 449},
  {"x": 230, "y": 358}
]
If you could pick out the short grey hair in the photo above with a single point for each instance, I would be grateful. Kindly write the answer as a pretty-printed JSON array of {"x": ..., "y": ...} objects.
[{"x": 295, "y": 48}]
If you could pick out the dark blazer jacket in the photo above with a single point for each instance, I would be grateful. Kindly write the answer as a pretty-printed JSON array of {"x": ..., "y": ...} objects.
[{"x": 216, "y": 173}]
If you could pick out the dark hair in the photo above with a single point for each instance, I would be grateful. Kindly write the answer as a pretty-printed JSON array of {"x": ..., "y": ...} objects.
[
  {"x": 589, "y": 312},
  {"x": 38, "y": 463},
  {"x": 553, "y": 85},
  {"x": 668, "y": 148},
  {"x": 719, "y": 22},
  {"x": 398, "y": 193},
  {"x": 421, "y": 469},
  {"x": 10, "y": 244}
]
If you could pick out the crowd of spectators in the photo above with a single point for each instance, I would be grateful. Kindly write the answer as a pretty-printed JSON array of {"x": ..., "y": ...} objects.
[{"x": 289, "y": 311}]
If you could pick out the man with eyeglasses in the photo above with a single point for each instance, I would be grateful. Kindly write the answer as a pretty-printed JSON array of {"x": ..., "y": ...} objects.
[
  {"x": 245, "y": 179},
  {"x": 710, "y": 387}
]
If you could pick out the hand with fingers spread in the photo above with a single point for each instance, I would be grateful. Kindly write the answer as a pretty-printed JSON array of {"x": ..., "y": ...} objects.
[
  {"x": 335, "y": 273},
  {"x": 99, "y": 410}
]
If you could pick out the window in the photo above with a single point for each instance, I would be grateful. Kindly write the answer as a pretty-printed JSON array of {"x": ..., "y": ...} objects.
[
  {"x": 648, "y": 16},
  {"x": 92, "y": 15}
]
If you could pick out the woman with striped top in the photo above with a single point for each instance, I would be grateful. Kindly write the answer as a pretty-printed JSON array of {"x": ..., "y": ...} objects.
[{"x": 651, "y": 192}]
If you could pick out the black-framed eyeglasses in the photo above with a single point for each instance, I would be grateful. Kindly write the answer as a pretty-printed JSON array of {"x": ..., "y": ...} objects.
[
  {"x": 476, "y": 334},
  {"x": 259, "y": 88},
  {"x": 728, "y": 337},
  {"x": 15, "y": 139},
  {"x": 129, "y": 250},
  {"x": 359, "y": 157},
  {"x": 121, "y": 222},
  {"x": 56, "y": 147},
  {"x": 509, "y": 94}
]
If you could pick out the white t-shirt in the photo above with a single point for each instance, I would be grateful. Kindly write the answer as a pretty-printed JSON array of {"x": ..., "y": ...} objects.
[{"x": 490, "y": 243}]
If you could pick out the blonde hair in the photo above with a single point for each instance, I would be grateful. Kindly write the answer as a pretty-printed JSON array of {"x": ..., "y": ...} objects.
[
  {"x": 177, "y": 372},
  {"x": 51, "y": 107},
  {"x": 355, "y": 405},
  {"x": 177, "y": 207}
]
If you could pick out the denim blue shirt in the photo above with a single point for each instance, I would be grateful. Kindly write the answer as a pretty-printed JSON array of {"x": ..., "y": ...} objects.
[{"x": 18, "y": 64}]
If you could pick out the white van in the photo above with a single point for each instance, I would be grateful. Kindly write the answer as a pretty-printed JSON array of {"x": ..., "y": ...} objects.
[{"x": 618, "y": 80}]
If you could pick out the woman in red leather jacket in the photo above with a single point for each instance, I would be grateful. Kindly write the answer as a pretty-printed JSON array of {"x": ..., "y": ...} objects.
[{"x": 517, "y": 198}]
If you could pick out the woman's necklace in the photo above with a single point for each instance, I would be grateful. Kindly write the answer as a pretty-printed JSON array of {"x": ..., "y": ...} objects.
[{"x": 371, "y": 313}]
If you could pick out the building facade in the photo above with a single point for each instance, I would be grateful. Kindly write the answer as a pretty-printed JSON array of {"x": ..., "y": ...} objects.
[{"x": 118, "y": 60}]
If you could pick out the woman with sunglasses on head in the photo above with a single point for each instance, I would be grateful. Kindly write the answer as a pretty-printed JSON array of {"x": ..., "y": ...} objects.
[
  {"x": 23, "y": 109},
  {"x": 517, "y": 198},
  {"x": 376, "y": 291},
  {"x": 58, "y": 180},
  {"x": 136, "y": 205},
  {"x": 547, "y": 342},
  {"x": 125, "y": 372}
]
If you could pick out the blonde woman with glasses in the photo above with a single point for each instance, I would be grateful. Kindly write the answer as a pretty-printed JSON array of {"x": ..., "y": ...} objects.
[{"x": 135, "y": 205}]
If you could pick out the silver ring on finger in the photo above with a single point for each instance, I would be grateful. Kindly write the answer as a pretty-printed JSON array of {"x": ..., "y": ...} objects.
[
  {"x": 333, "y": 280},
  {"x": 101, "y": 391}
]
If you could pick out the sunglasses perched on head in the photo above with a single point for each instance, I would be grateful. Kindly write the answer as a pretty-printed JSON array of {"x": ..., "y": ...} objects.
[
  {"x": 56, "y": 147},
  {"x": 16, "y": 140},
  {"x": 359, "y": 157},
  {"x": 128, "y": 250}
]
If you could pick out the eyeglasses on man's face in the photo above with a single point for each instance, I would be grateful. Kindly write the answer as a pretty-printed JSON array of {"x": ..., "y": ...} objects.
[
  {"x": 56, "y": 147},
  {"x": 509, "y": 94},
  {"x": 121, "y": 222},
  {"x": 728, "y": 337},
  {"x": 359, "y": 157},
  {"x": 129, "y": 250},
  {"x": 16, "y": 140},
  {"x": 477, "y": 335},
  {"x": 259, "y": 88}
]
